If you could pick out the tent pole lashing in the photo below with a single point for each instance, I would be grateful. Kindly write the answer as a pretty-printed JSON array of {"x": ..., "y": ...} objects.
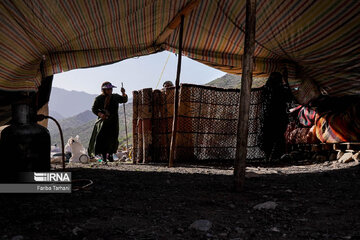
[
  {"x": 246, "y": 81},
  {"x": 176, "y": 98},
  {"x": 170, "y": 28}
]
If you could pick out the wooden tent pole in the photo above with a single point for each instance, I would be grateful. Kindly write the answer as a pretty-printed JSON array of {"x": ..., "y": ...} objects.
[
  {"x": 246, "y": 81},
  {"x": 127, "y": 141},
  {"x": 176, "y": 98}
]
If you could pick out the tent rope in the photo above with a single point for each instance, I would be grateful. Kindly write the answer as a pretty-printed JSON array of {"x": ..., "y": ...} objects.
[{"x": 162, "y": 72}]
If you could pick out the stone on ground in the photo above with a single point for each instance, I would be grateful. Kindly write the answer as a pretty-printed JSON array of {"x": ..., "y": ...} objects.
[
  {"x": 201, "y": 225},
  {"x": 266, "y": 205}
]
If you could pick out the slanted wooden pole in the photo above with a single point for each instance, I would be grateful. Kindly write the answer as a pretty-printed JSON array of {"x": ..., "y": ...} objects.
[
  {"x": 170, "y": 28},
  {"x": 176, "y": 98},
  {"x": 246, "y": 80}
]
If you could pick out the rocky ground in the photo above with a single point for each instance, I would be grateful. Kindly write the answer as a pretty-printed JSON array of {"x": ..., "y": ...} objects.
[{"x": 306, "y": 201}]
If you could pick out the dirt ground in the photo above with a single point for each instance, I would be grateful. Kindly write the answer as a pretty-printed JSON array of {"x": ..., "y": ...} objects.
[{"x": 309, "y": 201}]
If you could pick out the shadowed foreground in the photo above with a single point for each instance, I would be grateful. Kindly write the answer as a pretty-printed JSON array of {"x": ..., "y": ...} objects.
[{"x": 136, "y": 204}]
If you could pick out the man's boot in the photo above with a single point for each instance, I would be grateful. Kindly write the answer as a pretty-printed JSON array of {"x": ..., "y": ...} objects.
[
  {"x": 110, "y": 157},
  {"x": 104, "y": 158}
]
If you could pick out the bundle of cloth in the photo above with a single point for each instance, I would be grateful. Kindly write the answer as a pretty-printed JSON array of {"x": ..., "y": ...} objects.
[
  {"x": 301, "y": 129},
  {"x": 299, "y": 135},
  {"x": 336, "y": 127},
  {"x": 332, "y": 121}
]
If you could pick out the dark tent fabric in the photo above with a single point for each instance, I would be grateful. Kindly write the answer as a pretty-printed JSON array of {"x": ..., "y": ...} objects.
[{"x": 315, "y": 42}]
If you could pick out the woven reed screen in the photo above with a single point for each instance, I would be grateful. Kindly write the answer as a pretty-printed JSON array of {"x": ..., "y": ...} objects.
[{"x": 207, "y": 124}]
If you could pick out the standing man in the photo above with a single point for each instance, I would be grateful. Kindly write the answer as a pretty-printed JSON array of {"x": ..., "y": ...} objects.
[{"x": 104, "y": 138}]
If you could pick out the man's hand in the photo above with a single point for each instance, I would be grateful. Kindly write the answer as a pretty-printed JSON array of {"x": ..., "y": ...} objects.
[
  {"x": 102, "y": 116},
  {"x": 123, "y": 91}
]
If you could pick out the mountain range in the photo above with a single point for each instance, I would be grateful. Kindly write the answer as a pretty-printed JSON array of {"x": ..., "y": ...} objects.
[
  {"x": 65, "y": 104},
  {"x": 81, "y": 120},
  {"x": 73, "y": 111},
  {"x": 234, "y": 81}
]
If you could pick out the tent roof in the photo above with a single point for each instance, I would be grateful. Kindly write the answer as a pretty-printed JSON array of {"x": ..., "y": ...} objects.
[{"x": 318, "y": 42}]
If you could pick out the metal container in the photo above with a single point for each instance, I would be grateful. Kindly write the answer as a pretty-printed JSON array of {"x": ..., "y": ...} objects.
[{"x": 24, "y": 145}]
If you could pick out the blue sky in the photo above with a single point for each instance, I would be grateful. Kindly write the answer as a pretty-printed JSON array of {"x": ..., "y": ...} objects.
[{"x": 136, "y": 73}]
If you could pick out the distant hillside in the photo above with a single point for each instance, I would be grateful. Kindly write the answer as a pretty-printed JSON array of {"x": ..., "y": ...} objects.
[
  {"x": 73, "y": 122},
  {"x": 56, "y": 115},
  {"x": 234, "y": 81},
  {"x": 82, "y": 124},
  {"x": 69, "y": 103}
]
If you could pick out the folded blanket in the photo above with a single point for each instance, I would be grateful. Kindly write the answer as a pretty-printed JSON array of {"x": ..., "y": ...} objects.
[{"x": 339, "y": 127}]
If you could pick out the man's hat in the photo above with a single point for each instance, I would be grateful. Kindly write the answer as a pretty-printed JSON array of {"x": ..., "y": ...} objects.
[
  {"x": 168, "y": 84},
  {"x": 107, "y": 85}
]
